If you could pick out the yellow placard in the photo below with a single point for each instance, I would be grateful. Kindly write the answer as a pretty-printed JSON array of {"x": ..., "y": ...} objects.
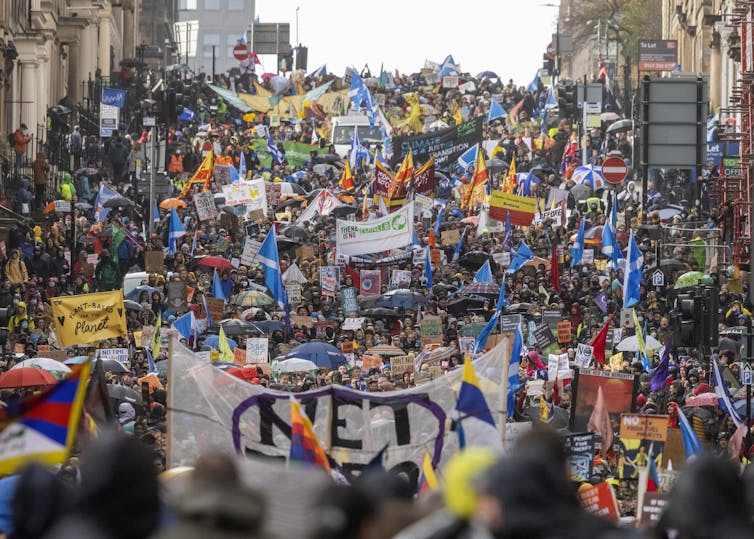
[
  {"x": 88, "y": 318},
  {"x": 513, "y": 202}
]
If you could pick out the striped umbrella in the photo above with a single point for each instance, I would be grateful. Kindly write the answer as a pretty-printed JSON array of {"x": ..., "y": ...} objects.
[
  {"x": 481, "y": 289},
  {"x": 436, "y": 355},
  {"x": 590, "y": 176}
]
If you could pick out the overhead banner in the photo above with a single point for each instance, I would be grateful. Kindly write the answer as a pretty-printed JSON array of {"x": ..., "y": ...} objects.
[
  {"x": 351, "y": 426},
  {"x": 445, "y": 145},
  {"x": 521, "y": 209},
  {"x": 251, "y": 194},
  {"x": 88, "y": 318},
  {"x": 390, "y": 232}
]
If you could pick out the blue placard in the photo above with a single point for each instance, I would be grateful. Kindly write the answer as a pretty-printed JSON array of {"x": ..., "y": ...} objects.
[
  {"x": 114, "y": 97},
  {"x": 714, "y": 153}
]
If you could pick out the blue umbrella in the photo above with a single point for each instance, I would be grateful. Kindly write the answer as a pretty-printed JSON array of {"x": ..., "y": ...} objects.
[
  {"x": 589, "y": 175},
  {"x": 134, "y": 294},
  {"x": 319, "y": 353},
  {"x": 213, "y": 341},
  {"x": 77, "y": 360},
  {"x": 487, "y": 75}
]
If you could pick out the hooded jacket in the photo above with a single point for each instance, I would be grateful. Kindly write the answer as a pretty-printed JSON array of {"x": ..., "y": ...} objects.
[
  {"x": 16, "y": 322},
  {"x": 67, "y": 189}
]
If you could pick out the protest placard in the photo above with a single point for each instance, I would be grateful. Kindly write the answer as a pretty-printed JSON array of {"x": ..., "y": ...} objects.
[
  {"x": 177, "y": 296},
  {"x": 369, "y": 362},
  {"x": 256, "y": 350},
  {"x": 587, "y": 257},
  {"x": 600, "y": 500},
  {"x": 154, "y": 261},
  {"x": 348, "y": 300},
  {"x": 579, "y": 449},
  {"x": 583, "y": 355},
  {"x": 450, "y": 237},
  {"x": 329, "y": 280},
  {"x": 431, "y": 330},
  {"x": 205, "y": 205},
  {"x": 564, "y": 332},
  {"x": 401, "y": 364},
  {"x": 250, "y": 250},
  {"x": 118, "y": 354},
  {"x": 216, "y": 308},
  {"x": 400, "y": 279},
  {"x": 89, "y": 318}
]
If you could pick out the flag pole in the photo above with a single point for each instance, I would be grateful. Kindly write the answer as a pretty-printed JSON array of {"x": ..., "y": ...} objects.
[
  {"x": 505, "y": 367},
  {"x": 169, "y": 415}
]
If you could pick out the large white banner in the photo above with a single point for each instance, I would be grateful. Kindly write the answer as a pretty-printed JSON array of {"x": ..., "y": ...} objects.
[
  {"x": 390, "y": 232},
  {"x": 250, "y": 194},
  {"x": 210, "y": 409}
]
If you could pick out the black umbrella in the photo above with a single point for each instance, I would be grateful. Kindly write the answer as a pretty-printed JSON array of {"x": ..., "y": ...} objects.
[
  {"x": 496, "y": 165},
  {"x": 673, "y": 264},
  {"x": 381, "y": 312},
  {"x": 234, "y": 327},
  {"x": 464, "y": 304},
  {"x": 289, "y": 202},
  {"x": 118, "y": 201},
  {"x": 342, "y": 211},
  {"x": 474, "y": 259},
  {"x": 519, "y": 308},
  {"x": 311, "y": 195},
  {"x": 265, "y": 326},
  {"x": 296, "y": 233},
  {"x": 124, "y": 394},
  {"x": 86, "y": 171},
  {"x": 481, "y": 289},
  {"x": 287, "y": 243},
  {"x": 401, "y": 298},
  {"x": 112, "y": 365},
  {"x": 620, "y": 125}
]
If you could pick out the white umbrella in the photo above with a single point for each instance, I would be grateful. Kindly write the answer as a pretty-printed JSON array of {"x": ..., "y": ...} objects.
[
  {"x": 631, "y": 344},
  {"x": 296, "y": 364},
  {"x": 45, "y": 363}
]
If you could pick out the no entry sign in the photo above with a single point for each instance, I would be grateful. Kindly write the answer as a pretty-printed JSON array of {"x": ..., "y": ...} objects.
[
  {"x": 240, "y": 52},
  {"x": 614, "y": 169}
]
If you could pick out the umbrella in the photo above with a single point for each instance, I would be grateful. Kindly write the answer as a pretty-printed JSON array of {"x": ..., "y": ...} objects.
[
  {"x": 487, "y": 75},
  {"x": 77, "y": 360},
  {"x": 214, "y": 262},
  {"x": 124, "y": 394},
  {"x": 83, "y": 206},
  {"x": 631, "y": 344},
  {"x": 323, "y": 168},
  {"x": 703, "y": 399},
  {"x": 464, "y": 304},
  {"x": 289, "y": 202},
  {"x": 381, "y": 312},
  {"x": 233, "y": 327},
  {"x": 213, "y": 341},
  {"x": 474, "y": 259},
  {"x": 609, "y": 116},
  {"x": 401, "y": 298},
  {"x": 581, "y": 191},
  {"x": 112, "y": 365},
  {"x": 134, "y": 294},
  {"x": 589, "y": 175},
  {"x": 86, "y": 171},
  {"x": 295, "y": 364},
  {"x": 265, "y": 326},
  {"x": 692, "y": 278},
  {"x": 287, "y": 243},
  {"x": 481, "y": 289},
  {"x": 440, "y": 353},
  {"x": 670, "y": 211},
  {"x": 132, "y": 305},
  {"x": 437, "y": 124},
  {"x": 496, "y": 165},
  {"x": 621, "y": 125},
  {"x": 386, "y": 350},
  {"x": 26, "y": 377},
  {"x": 320, "y": 353},
  {"x": 45, "y": 363},
  {"x": 169, "y": 203},
  {"x": 673, "y": 264},
  {"x": 519, "y": 308},
  {"x": 342, "y": 211},
  {"x": 118, "y": 202},
  {"x": 252, "y": 298}
]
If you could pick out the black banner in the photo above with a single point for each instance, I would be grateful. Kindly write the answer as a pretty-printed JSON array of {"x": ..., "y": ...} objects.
[
  {"x": 360, "y": 263},
  {"x": 445, "y": 145}
]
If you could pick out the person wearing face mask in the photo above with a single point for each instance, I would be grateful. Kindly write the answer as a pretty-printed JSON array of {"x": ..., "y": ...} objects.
[{"x": 19, "y": 321}]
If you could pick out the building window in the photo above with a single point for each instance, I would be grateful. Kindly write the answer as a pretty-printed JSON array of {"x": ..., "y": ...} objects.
[
  {"x": 231, "y": 41},
  {"x": 236, "y": 5},
  {"x": 209, "y": 41},
  {"x": 188, "y": 5},
  {"x": 211, "y": 5}
]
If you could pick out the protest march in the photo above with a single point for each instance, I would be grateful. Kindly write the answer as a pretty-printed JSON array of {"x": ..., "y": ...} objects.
[{"x": 370, "y": 305}]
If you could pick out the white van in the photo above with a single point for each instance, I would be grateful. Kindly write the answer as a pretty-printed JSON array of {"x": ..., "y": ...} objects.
[
  {"x": 342, "y": 132},
  {"x": 134, "y": 279}
]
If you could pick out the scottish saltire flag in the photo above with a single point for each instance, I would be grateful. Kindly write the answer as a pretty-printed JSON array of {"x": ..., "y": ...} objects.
[
  {"x": 277, "y": 155},
  {"x": 481, "y": 340},
  {"x": 105, "y": 194},
  {"x": 496, "y": 111},
  {"x": 723, "y": 397},
  {"x": 268, "y": 257},
  {"x": 357, "y": 92},
  {"x": 514, "y": 380},
  {"x": 235, "y": 176},
  {"x": 457, "y": 252},
  {"x": 193, "y": 243},
  {"x": 305, "y": 448},
  {"x": 41, "y": 428},
  {"x": 476, "y": 426},
  {"x": 691, "y": 444},
  {"x": 468, "y": 158},
  {"x": 632, "y": 279},
  {"x": 184, "y": 325},
  {"x": 378, "y": 157},
  {"x": 577, "y": 251},
  {"x": 484, "y": 274},
  {"x": 543, "y": 127},
  {"x": 217, "y": 287},
  {"x": 449, "y": 66},
  {"x": 321, "y": 71},
  {"x": 519, "y": 257},
  {"x": 551, "y": 102},
  {"x": 427, "y": 478},
  {"x": 175, "y": 231},
  {"x": 436, "y": 229},
  {"x": 610, "y": 245},
  {"x": 372, "y": 108},
  {"x": 357, "y": 153},
  {"x": 428, "y": 269},
  {"x": 534, "y": 84}
]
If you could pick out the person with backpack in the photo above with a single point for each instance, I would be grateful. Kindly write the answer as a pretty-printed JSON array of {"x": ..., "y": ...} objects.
[{"x": 19, "y": 140}]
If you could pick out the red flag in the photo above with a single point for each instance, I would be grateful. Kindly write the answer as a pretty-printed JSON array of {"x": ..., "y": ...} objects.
[
  {"x": 600, "y": 340},
  {"x": 354, "y": 275},
  {"x": 555, "y": 269},
  {"x": 599, "y": 421},
  {"x": 736, "y": 443}
]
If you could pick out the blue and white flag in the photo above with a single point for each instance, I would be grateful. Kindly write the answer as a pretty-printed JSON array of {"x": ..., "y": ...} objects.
[
  {"x": 206, "y": 311},
  {"x": 496, "y": 111},
  {"x": 610, "y": 245},
  {"x": 275, "y": 153},
  {"x": 543, "y": 127},
  {"x": 156, "y": 211},
  {"x": 358, "y": 91},
  {"x": 185, "y": 325},
  {"x": 632, "y": 278},
  {"x": 372, "y": 108},
  {"x": 242, "y": 169},
  {"x": 514, "y": 380},
  {"x": 723, "y": 397},
  {"x": 235, "y": 177},
  {"x": 273, "y": 278},
  {"x": 176, "y": 230},
  {"x": 551, "y": 102},
  {"x": 691, "y": 444},
  {"x": 534, "y": 84},
  {"x": 152, "y": 368},
  {"x": 217, "y": 287},
  {"x": 457, "y": 252},
  {"x": 428, "y": 269},
  {"x": 519, "y": 257},
  {"x": 321, "y": 71},
  {"x": 577, "y": 251},
  {"x": 468, "y": 158},
  {"x": 449, "y": 66},
  {"x": 357, "y": 153},
  {"x": 105, "y": 194},
  {"x": 484, "y": 274}
]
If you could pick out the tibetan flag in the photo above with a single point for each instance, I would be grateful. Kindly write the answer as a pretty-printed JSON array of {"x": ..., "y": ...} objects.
[
  {"x": 427, "y": 478},
  {"x": 305, "y": 447},
  {"x": 42, "y": 427},
  {"x": 202, "y": 175},
  {"x": 346, "y": 180},
  {"x": 474, "y": 414}
]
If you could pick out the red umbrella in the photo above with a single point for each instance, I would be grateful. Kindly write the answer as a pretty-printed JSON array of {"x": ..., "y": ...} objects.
[
  {"x": 26, "y": 377},
  {"x": 703, "y": 399},
  {"x": 245, "y": 373},
  {"x": 215, "y": 262}
]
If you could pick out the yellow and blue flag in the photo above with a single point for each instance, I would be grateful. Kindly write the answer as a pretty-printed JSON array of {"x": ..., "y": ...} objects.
[{"x": 476, "y": 426}]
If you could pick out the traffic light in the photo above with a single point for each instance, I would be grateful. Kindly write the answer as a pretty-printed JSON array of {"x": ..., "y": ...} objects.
[
  {"x": 567, "y": 102},
  {"x": 548, "y": 64},
  {"x": 710, "y": 316},
  {"x": 285, "y": 61},
  {"x": 688, "y": 324}
]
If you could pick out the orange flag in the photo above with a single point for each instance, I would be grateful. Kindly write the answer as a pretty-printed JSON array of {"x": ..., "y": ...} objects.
[
  {"x": 346, "y": 181},
  {"x": 481, "y": 176},
  {"x": 402, "y": 177},
  {"x": 202, "y": 175},
  {"x": 509, "y": 185}
]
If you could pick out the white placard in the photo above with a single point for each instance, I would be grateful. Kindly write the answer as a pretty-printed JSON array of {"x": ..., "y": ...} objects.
[
  {"x": 583, "y": 355},
  {"x": 502, "y": 259},
  {"x": 118, "y": 354},
  {"x": 588, "y": 256},
  {"x": 251, "y": 194},
  {"x": 353, "y": 323},
  {"x": 450, "y": 81},
  {"x": 250, "y": 250},
  {"x": 256, "y": 350}
]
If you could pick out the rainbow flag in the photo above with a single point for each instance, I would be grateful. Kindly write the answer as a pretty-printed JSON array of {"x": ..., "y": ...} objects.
[
  {"x": 427, "y": 478},
  {"x": 305, "y": 447},
  {"x": 42, "y": 428}
]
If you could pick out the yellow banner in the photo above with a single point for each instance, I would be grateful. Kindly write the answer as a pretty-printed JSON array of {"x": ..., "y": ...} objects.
[
  {"x": 512, "y": 202},
  {"x": 89, "y": 318}
]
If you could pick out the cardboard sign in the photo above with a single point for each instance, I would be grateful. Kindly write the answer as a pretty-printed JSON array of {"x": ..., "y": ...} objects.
[
  {"x": 370, "y": 362},
  {"x": 401, "y": 364},
  {"x": 431, "y": 330},
  {"x": 250, "y": 250},
  {"x": 451, "y": 237},
  {"x": 257, "y": 350},
  {"x": 205, "y": 205},
  {"x": 154, "y": 261},
  {"x": 329, "y": 280},
  {"x": 583, "y": 355},
  {"x": 371, "y": 282},
  {"x": 88, "y": 318},
  {"x": 177, "y": 296},
  {"x": 216, "y": 308},
  {"x": 580, "y": 455},
  {"x": 302, "y": 321},
  {"x": 564, "y": 332},
  {"x": 600, "y": 500},
  {"x": 644, "y": 427}
]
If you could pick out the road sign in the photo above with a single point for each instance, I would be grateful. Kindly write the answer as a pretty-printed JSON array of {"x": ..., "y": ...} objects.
[
  {"x": 614, "y": 169},
  {"x": 658, "y": 278},
  {"x": 149, "y": 121},
  {"x": 240, "y": 52},
  {"x": 746, "y": 375},
  {"x": 551, "y": 53}
]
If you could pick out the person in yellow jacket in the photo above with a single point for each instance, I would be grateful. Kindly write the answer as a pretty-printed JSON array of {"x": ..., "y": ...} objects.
[
  {"x": 19, "y": 321},
  {"x": 15, "y": 268}
]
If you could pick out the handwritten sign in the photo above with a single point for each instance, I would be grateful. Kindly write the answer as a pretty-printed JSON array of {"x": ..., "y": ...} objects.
[
  {"x": 644, "y": 427},
  {"x": 370, "y": 362},
  {"x": 348, "y": 299},
  {"x": 250, "y": 250},
  {"x": 583, "y": 355},
  {"x": 431, "y": 330},
  {"x": 401, "y": 364},
  {"x": 88, "y": 318},
  {"x": 256, "y": 350},
  {"x": 118, "y": 354},
  {"x": 564, "y": 332},
  {"x": 154, "y": 261},
  {"x": 205, "y": 205},
  {"x": 329, "y": 280},
  {"x": 216, "y": 308}
]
